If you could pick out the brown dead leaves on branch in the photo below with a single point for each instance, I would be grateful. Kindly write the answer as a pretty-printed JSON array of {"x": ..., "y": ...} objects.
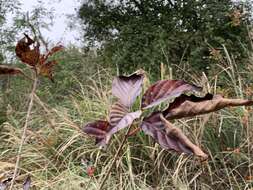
[
  {"x": 28, "y": 51},
  {"x": 182, "y": 101}
]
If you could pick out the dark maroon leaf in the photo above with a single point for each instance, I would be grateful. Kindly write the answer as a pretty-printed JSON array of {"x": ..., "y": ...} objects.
[
  {"x": 98, "y": 129},
  {"x": 5, "y": 70},
  {"x": 125, "y": 121},
  {"x": 27, "y": 183},
  {"x": 121, "y": 118},
  {"x": 117, "y": 112},
  {"x": 168, "y": 136},
  {"x": 103, "y": 131},
  {"x": 127, "y": 88},
  {"x": 188, "y": 106},
  {"x": 164, "y": 90}
]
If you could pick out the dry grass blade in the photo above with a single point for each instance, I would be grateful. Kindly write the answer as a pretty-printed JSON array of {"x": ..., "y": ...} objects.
[{"x": 115, "y": 158}]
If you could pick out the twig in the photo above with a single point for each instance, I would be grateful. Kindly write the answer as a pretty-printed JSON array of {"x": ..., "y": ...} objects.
[
  {"x": 134, "y": 131},
  {"x": 24, "y": 129},
  {"x": 115, "y": 158}
]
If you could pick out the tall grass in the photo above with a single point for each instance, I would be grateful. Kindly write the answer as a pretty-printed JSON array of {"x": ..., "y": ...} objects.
[{"x": 55, "y": 149}]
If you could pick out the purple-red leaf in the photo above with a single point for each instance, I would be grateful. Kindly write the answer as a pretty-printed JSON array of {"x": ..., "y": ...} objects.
[
  {"x": 117, "y": 112},
  {"x": 164, "y": 90},
  {"x": 188, "y": 106},
  {"x": 5, "y": 70},
  {"x": 124, "y": 122},
  {"x": 3, "y": 186},
  {"x": 27, "y": 183},
  {"x": 127, "y": 88},
  {"x": 98, "y": 129},
  {"x": 121, "y": 118},
  {"x": 168, "y": 136}
]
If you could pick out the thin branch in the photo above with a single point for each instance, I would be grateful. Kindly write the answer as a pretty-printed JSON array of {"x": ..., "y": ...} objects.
[
  {"x": 115, "y": 158},
  {"x": 24, "y": 130},
  {"x": 134, "y": 131}
]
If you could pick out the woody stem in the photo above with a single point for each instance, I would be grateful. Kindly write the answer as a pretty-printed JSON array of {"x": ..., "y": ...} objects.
[{"x": 24, "y": 130}]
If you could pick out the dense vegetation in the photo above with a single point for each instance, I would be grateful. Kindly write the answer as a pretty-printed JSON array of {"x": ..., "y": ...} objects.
[
  {"x": 207, "y": 43},
  {"x": 145, "y": 33}
]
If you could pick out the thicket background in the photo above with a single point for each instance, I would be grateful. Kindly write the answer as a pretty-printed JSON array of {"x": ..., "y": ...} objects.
[{"x": 208, "y": 43}]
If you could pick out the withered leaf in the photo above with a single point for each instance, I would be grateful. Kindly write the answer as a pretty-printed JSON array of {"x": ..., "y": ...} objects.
[
  {"x": 27, "y": 54},
  {"x": 127, "y": 88},
  {"x": 46, "y": 69},
  {"x": 55, "y": 49},
  {"x": 188, "y": 106},
  {"x": 98, "y": 129},
  {"x": 50, "y": 53},
  {"x": 168, "y": 136},
  {"x": 164, "y": 90},
  {"x": 5, "y": 70},
  {"x": 27, "y": 183}
]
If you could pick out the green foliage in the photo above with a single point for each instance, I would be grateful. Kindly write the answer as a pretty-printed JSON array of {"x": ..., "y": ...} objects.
[
  {"x": 7, "y": 31},
  {"x": 145, "y": 33}
]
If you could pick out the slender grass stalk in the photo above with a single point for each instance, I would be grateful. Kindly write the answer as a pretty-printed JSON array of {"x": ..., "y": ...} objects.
[
  {"x": 28, "y": 114},
  {"x": 115, "y": 158}
]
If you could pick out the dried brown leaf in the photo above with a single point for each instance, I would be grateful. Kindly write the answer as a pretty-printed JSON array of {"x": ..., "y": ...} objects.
[
  {"x": 164, "y": 90},
  {"x": 46, "y": 69},
  {"x": 5, "y": 70},
  {"x": 27, "y": 54},
  {"x": 127, "y": 88},
  {"x": 50, "y": 53},
  {"x": 188, "y": 106},
  {"x": 168, "y": 136},
  {"x": 55, "y": 49}
]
